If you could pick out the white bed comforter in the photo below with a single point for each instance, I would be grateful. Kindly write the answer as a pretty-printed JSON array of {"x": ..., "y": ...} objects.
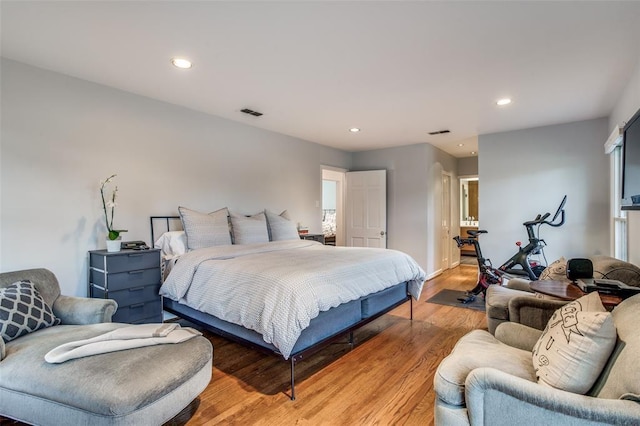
[{"x": 277, "y": 288}]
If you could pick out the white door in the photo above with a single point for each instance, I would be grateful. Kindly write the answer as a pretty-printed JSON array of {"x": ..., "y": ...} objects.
[
  {"x": 366, "y": 209},
  {"x": 446, "y": 244}
]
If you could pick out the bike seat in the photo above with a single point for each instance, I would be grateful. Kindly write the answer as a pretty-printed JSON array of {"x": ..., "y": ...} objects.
[{"x": 473, "y": 233}]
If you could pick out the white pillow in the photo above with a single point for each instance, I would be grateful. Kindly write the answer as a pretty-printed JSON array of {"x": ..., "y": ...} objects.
[
  {"x": 172, "y": 244},
  {"x": 205, "y": 230},
  {"x": 280, "y": 227},
  {"x": 249, "y": 229},
  {"x": 575, "y": 346}
]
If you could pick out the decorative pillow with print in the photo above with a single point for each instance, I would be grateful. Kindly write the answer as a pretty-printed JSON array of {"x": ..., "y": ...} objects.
[
  {"x": 23, "y": 310},
  {"x": 575, "y": 346},
  {"x": 557, "y": 271}
]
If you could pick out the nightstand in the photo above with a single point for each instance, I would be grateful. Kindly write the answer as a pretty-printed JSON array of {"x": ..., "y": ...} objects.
[
  {"x": 314, "y": 237},
  {"x": 130, "y": 277}
]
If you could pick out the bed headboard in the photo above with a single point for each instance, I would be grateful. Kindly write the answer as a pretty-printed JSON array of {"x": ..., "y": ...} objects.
[{"x": 162, "y": 224}]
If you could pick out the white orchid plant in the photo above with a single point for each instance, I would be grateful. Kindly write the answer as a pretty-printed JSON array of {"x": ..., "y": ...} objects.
[{"x": 110, "y": 205}]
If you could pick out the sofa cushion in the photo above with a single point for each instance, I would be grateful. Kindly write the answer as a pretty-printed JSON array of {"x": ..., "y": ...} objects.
[
  {"x": 574, "y": 347},
  {"x": 497, "y": 304},
  {"x": 23, "y": 310},
  {"x": 110, "y": 385},
  {"x": 621, "y": 375},
  {"x": 478, "y": 349},
  {"x": 615, "y": 269}
]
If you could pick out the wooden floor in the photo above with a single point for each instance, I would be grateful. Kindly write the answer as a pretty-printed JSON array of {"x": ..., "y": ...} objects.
[{"x": 387, "y": 378}]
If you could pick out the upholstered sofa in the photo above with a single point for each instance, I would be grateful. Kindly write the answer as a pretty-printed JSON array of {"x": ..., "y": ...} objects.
[
  {"x": 148, "y": 385},
  {"x": 498, "y": 297},
  {"x": 492, "y": 380}
]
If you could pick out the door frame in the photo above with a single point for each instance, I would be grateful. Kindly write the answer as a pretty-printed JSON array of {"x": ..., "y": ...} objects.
[
  {"x": 446, "y": 249},
  {"x": 338, "y": 175}
]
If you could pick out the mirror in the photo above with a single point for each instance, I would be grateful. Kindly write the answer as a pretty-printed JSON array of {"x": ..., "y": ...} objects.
[{"x": 469, "y": 188}]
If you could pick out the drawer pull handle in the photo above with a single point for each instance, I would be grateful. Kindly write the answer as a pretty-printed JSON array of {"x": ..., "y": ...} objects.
[
  {"x": 136, "y": 272},
  {"x": 136, "y": 306},
  {"x": 135, "y": 255},
  {"x": 136, "y": 289}
]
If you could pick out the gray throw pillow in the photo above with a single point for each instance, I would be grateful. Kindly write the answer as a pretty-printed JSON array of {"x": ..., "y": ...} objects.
[
  {"x": 249, "y": 229},
  {"x": 205, "y": 230},
  {"x": 281, "y": 228},
  {"x": 23, "y": 310}
]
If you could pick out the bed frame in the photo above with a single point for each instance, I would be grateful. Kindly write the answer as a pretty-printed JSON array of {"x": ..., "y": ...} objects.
[{"x": 323, "y": 330}]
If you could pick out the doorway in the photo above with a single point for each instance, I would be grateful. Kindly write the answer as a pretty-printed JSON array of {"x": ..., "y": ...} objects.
[
  {"x": 469, "y": 215},
  {"x": 333, "y": 181}
]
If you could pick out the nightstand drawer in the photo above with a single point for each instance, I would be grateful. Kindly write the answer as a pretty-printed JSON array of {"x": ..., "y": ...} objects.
[
  {"x": 123, "y": 280},
  {"x": 125, "y": 261},
  {"x": 130, "y": 296},
  {"x": 138, "y": 311}
]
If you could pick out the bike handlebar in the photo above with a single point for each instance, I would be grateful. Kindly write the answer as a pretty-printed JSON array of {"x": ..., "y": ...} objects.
[{"x": 543, "y": 219}]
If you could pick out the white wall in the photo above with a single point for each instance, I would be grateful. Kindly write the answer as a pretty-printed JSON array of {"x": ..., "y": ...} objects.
[
  {"x": 60, "y": 136},
  {"x": 526, "y": 172},
  {"x": 626, "y": 106},
  {"x": 414, "y": 191}
]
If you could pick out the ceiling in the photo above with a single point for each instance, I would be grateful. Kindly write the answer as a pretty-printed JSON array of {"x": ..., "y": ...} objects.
[{"x": 397, "y": 70}]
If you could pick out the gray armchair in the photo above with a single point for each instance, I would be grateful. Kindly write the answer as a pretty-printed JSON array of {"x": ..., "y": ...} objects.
[
  {"x": 499, "y": 297},
  {"x": 490, "y": 379},
  {"x": 147, "y": 385},
  {"x": 70, "y": 310}
]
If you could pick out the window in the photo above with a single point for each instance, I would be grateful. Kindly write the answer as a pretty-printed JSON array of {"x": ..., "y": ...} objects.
[{"x": 619, "y": 222}]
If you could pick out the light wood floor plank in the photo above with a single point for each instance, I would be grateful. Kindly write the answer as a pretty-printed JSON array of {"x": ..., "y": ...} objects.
[{"x": 386, "y": 379}]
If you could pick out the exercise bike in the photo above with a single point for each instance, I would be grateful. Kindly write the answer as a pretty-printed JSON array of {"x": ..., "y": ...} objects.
[{"x": 520, "y": 264}]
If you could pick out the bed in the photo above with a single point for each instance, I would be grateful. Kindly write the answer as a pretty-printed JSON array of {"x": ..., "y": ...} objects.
[{"x": 284, "y": 296}]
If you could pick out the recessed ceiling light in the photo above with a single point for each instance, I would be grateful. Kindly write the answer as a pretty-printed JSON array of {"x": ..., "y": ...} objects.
[
  {"x": 473, "y": 153},
  {"x": 460, "y": 144},
  {"x": 181, "y": 63},
  {"x": 354, "y": 130},
  {"x": 503, "y": 102}
]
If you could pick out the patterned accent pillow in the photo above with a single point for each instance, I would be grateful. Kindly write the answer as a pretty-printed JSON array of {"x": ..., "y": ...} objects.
[
  {"x": 205, "y": 230},
  {"x": 23, "y": 310},
  {"x": 575, "y": 346},
  {"x": 557, "y": 271},
  {"x": 280, "y": 227},
  {"x": 249, "y": 229}
]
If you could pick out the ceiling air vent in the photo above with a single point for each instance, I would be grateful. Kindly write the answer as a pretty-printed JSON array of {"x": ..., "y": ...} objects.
[
  {"x": 251, "y": 112},
  {"x": 440, "y": 132}
]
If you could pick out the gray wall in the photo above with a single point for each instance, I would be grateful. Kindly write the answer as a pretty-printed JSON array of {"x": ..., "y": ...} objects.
[
  {"x": 526, "y": 172},
  {"x": 60, "y": 136},
  {"x": 414, "y": 193},
  {"x": 468, "y": 166}
]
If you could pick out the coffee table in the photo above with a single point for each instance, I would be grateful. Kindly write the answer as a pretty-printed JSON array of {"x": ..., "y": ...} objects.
[{"x": 569, "y": 291}]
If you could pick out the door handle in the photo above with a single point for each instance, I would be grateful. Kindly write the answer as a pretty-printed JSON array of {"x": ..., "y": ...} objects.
[{"x": 382, "y": 233}]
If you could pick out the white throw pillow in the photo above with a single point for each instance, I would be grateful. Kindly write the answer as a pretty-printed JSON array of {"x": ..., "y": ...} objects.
[
  {"x": 249, "y": 229},
  {"x": 172, "y": 244},
  {"x": 280, "y": 227},
  {"x": 205, "y": 230},
  {"x": 575, "y": 346}
]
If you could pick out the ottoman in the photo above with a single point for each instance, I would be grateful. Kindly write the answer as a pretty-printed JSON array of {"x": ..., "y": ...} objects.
[{"x": 142, "y": 386}]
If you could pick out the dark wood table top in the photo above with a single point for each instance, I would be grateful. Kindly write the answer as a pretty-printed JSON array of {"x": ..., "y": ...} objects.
[{"x": 569, "y": 291}]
